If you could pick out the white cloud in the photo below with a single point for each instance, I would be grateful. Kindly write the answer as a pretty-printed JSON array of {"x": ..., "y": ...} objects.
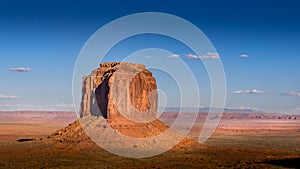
[
  {"x": 64, "y": 106},
  {"x": 173, "y": 56},
  {"x": 148, "y": 57},
  {"x": 243, "y": 56},
  {"x": 291, "y": 93},
  {"x": 252, "y": 91},
  {"x": 20, "y": 107},
  {"x": 20, "y": 69},
  {"x": 296, "y": 110},
  {"x": 8, "y": 97},
  {"x": 210, "y": 55},
  {"x": 24, "y": 106},
  {"x": 244, "y": 108},
  {"x": 248, "y": 108},
  {"x": 16, "y": 107},
  {"x": 191, "y": 56}
]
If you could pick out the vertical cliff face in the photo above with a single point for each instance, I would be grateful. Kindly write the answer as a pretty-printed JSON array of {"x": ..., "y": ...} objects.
[
  {"x": 120, "y": 100},
  {"x": 120, "y": 92}
]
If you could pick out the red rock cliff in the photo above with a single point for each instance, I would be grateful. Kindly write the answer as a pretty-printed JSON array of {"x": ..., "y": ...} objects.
[{"x": 120, "y": 91}]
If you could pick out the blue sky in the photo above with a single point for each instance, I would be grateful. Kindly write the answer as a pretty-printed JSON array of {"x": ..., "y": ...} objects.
[{"x": 257, "y": 42}]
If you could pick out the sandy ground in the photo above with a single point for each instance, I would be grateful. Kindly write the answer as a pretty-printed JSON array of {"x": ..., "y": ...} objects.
[{"x": 237, "y": 143}]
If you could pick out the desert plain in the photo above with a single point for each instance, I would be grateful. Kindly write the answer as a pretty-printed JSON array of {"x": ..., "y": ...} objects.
[{"x": 35, "y": 139}]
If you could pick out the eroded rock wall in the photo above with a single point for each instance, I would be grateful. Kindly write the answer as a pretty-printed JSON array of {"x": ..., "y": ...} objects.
[{"x": 119, "y": 89}]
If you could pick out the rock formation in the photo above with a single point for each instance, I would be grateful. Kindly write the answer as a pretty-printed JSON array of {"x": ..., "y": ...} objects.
[
  {"x": 117, "y": 90},
  {"x": 119, "y": 113}
]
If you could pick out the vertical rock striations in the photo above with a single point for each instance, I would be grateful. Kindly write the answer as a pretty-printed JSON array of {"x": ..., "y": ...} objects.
[
  {"x": 120, "y": 92},
  {"x": 123, "y": 96}
]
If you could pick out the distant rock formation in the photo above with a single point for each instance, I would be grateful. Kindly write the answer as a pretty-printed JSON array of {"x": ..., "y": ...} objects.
[{"x": 119, "y": 91}]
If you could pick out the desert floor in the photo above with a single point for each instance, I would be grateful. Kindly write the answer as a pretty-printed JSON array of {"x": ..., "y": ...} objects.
[{"x": 266, "y": 141}]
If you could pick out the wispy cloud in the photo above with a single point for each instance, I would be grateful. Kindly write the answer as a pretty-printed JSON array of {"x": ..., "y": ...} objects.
[
  {"x": 8, "y": 96},
  {"x": 24, "y": 106},
  {"x": 243, "y": 56},
  {"x": 296, "y": 109},
  {"x": 252, "y": 91},
  {"x": 56, "y": 107},
  {"x": 16, "y": 107},
  {"x": 20, "y": 69},
  {"x": 210, "y": 55},
  {"x": 148, "y": 57},
  {"x": 291, "y": 93},
  {"x": 173, "y": 56},
  {"x": 191, "y": 56},
  {"x": 64, "y": 106},
  {"x": 249, "y": 108},
  {"x": 245, "y": 108}
]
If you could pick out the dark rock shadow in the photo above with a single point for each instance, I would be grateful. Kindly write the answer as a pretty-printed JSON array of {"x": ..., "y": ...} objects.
[
  {"x": 24, "y": 139},
  {"x": 289, "y": 162},
  {"x": 101, "y": 94}
]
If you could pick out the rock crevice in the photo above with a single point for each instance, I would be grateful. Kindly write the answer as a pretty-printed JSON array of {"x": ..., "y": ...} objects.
[{"x": 119, "y": 91}]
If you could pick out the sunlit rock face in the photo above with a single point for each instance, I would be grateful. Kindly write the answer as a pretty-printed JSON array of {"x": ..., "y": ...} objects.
[
  {"x": 120, "y": 92},
  {"x": 119, "y": 113}
]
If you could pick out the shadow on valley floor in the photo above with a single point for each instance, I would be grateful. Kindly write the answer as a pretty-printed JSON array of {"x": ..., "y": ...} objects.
[
  {"x": 25, "y": 139},
  {"x": 289, "y": 163}
]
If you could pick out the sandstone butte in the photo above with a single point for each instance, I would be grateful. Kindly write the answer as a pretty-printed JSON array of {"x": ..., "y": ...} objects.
[
  {"x": 117, "y": 89},
  {"x": 124, "y": 95}
]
